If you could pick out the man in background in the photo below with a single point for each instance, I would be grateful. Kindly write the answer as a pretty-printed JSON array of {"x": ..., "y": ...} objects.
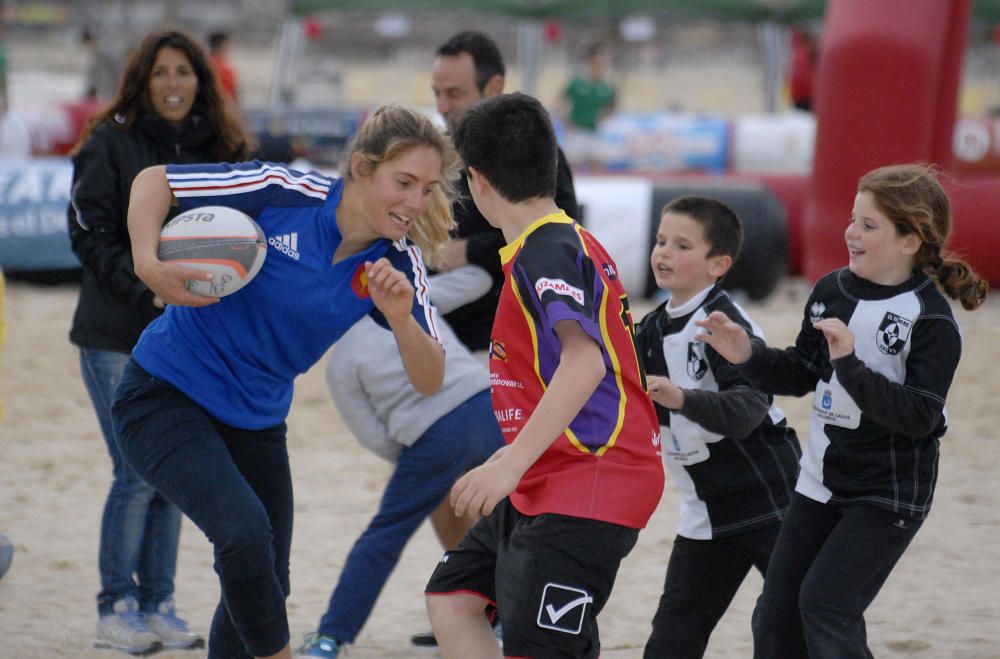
[
  {"x": 102, "y": 70},
  {"x": 467, "y": 68}
]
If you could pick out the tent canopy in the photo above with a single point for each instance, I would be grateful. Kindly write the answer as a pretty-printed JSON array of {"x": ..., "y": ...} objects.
[
  {"x": 785, "y": 11},
  {"x": 745, "y": 10}
]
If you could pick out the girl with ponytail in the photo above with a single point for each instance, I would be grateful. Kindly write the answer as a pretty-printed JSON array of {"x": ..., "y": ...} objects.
[{"x": 878, "y": 349}]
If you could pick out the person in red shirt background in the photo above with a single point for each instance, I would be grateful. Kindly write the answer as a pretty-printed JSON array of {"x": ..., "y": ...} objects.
[
  {"x": 803, "y": 69},
  {"x": 218, "y": 47}
]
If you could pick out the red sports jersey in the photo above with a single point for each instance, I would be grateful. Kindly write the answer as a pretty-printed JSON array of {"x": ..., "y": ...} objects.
[{"x": 606, "y": 465}]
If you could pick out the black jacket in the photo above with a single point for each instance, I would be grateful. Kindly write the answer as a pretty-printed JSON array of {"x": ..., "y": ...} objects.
[
  {"x": 474, "y": 321},
  {"x": 114, "y": 305}
]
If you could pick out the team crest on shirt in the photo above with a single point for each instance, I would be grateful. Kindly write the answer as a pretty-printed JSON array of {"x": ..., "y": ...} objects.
[
  {"x": 892, "y": 333},
  {"x": 498, "y": 351},
  {"x": 816, "y": 310},
  {"x": 696, "y": 364},
  {"x": 359, "y": 282}
]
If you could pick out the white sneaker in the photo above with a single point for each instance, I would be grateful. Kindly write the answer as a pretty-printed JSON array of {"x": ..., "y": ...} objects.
[
  {"x": 126, "y": 630},
  {"x": 172, "y": 631}
]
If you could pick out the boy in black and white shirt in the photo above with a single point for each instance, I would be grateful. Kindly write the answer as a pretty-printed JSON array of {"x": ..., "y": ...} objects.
[{"x": 726, "y": 445}]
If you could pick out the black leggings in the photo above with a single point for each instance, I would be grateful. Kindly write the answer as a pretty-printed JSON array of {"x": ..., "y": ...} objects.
[
  {"x": 702, "y": 579},
  {"x": 828, "y": 565}
]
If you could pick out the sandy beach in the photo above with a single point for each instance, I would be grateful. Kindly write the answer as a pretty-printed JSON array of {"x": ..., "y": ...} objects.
[{"x": 940, "y": 602}]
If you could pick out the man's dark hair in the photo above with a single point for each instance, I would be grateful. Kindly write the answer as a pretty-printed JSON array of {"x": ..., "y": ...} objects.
[
  {"x": 510, "y": 141},
  {"x": 485, "y": 55},
  {"x": 217, "y": 39},
  {"x": 594, "y": 49},
  {"x": 723, "y": 229}
]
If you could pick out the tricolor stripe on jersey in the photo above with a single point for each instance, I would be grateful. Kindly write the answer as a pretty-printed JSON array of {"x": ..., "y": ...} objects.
[
  {"x": 236, "y": 181},
  {"x": 420, "y": 284}
]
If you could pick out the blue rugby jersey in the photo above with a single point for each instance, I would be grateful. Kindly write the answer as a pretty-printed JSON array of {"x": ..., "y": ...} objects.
[{"x": 239, "y": 357}]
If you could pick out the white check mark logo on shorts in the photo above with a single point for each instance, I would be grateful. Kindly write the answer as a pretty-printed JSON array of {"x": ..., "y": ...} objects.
[{"x": 555, "y": 614}]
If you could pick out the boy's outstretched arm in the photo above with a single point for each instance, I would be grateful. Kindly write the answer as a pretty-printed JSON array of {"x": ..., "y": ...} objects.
[
  {"x": 581, "y": 369},
  {"x": 735, "y": 410},
  {"x": 728, "y": 338}
]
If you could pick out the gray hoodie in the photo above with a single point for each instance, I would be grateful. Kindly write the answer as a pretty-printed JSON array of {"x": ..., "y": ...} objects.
[{"x": 369, "y": 385}]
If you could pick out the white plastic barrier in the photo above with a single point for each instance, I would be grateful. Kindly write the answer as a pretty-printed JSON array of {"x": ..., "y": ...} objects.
[
  {"x": 616, "y": 210},
  {"x": 624, "y": 214},
  {"x": 774, "y": 142}
]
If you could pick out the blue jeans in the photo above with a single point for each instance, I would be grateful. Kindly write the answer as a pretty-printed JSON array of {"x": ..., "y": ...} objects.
[
  {"x": 457, "y": 442},
  {"x": 236, "y": 486},
  {"x": 828, "y": 564},
  {"x": 139, "y": 529}
]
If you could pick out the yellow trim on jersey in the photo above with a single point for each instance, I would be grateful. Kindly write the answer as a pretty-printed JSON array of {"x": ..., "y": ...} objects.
[
  {"x": 508, "y": 251},
  {"x": 570, "y": 435},
  {"x": 531, "y": 331},
  {"x": 623, "y": 397},
  {"x": 506, "y": 254},
  {"x": 610, "y": 347}
]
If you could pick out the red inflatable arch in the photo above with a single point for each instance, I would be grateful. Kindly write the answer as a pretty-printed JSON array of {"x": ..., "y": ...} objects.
[{"x": 887, "y": 92}]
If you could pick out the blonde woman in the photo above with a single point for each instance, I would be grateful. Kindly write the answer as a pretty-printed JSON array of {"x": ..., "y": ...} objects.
[{"x": 202, "y": 405}]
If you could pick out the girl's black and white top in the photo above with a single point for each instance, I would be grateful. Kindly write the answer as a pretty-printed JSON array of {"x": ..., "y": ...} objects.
[
  {"x": 878, "y": 413},
  {"x": 728, "y": 448}
]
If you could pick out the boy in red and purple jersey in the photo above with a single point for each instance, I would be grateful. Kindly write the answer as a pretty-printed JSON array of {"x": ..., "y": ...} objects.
[
  {"x": 556, "y": 271},
  {"x": 581, "y": 472}
]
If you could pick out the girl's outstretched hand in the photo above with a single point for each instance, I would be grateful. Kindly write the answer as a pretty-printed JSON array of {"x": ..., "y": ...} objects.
[
  {"x": 726, "y": 337},
  {"x": 839, "y": 339}
]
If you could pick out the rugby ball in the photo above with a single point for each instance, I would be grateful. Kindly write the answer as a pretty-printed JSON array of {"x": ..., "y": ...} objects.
[{"x": 221, "y": 240}]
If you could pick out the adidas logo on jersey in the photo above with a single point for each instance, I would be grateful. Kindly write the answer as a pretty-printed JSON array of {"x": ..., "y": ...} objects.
[{"x": 286, "y": 243}]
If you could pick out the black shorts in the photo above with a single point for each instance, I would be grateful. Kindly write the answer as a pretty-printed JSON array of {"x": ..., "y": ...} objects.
[{"x": 546, "y": 576}]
